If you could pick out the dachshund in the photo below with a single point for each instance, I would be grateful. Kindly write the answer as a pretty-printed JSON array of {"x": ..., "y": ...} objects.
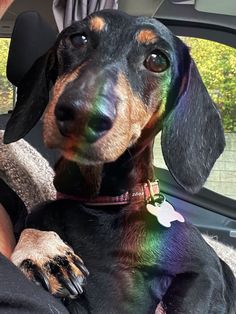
[{"x": 109, "y": 84}]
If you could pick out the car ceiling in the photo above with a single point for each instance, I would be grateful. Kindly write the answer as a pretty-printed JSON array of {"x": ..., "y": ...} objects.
[
  {"x": 181, "y": 10},
  {"x": 177, "y": 10}
]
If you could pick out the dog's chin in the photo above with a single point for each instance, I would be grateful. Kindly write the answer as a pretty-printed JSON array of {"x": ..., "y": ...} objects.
[
  {"x": 89, "y": 157},
  {"x": 95, "y": 154},
  {"x": 80, "y": 158}
]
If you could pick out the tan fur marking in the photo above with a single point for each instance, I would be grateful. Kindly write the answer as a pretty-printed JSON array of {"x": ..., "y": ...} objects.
[
  {"x": 146, "y": 36},
  {"x": 138, "y": 113},
  {"x": 54, "y": 285},
  {"x": 97, "y": 24},
  {"x": 51, "y": 134}
]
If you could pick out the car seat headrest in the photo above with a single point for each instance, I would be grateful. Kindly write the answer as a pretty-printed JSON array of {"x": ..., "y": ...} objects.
[{"x": 31, "y": 38}]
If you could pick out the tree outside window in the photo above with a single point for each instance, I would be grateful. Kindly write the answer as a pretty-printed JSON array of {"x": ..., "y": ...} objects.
[
  {"x": 217, "y": 66},
  {"x": 6, "y": 88}
]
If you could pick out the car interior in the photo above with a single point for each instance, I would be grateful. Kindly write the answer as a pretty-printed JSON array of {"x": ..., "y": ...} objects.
[{"x": 32, "y": 29}]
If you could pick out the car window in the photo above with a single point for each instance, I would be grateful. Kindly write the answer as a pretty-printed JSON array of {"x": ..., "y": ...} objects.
[
  {"x": 6, "y": 88},
  {"x": 217, "y": 66}
]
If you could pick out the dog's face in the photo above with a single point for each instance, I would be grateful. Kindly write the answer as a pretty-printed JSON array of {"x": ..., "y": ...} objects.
[
  {"x": 116, "y": 80},
  {"x": 114, "y": 72}
]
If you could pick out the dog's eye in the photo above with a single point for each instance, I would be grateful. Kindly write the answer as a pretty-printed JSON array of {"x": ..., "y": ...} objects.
[
  {"x": 156, "y": 62},
  {"x": 78, "y": 40}
]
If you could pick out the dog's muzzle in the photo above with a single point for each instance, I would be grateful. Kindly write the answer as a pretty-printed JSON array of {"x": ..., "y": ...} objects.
[{"x": 87, "y": 108}]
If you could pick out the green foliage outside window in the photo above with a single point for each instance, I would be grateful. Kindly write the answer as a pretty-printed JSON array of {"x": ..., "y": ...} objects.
[
  {"x": 217, "y": 66},
  {"x": 6, "y": 90}
]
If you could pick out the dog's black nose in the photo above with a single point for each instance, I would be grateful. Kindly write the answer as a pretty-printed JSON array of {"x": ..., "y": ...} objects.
[
  {"x": 65, "y": 118},
  {"x": 97, "y": 126},
  {"x": 72, "y": 120}
]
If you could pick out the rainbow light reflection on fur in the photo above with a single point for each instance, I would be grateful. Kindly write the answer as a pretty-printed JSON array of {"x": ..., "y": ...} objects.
[{"x": 140, "y": 249}]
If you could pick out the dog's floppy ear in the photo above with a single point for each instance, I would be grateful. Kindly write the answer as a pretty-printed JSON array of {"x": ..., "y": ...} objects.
[
  {"x": 32, "y": 97},
  {"x": 192, "y": 134}
]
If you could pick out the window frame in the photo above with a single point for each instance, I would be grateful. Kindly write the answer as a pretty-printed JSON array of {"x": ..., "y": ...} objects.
[{"x": 221, "y": 34}]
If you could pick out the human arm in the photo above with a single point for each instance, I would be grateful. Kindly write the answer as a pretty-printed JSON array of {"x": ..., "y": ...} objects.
[
  {"x": 7, "y": 238},
  {"x": 12, "y": 214}
]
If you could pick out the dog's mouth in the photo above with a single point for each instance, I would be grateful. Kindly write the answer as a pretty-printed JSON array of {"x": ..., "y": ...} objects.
[{"x": 86, "y": 154}]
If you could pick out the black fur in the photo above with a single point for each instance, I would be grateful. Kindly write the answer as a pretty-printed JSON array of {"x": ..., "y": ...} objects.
[
  {"x": 192, "y": 135},
  {"x": 32, "y": 98},
  {"x": 176, "y": 265}
]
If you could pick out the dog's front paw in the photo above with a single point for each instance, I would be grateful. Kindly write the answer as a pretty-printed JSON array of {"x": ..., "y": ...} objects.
[{"x": 45, "y": 259}]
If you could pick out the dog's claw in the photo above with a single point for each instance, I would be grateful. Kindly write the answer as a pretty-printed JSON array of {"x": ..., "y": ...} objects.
[
  {"x": 41, "y": 278},
  {"x": 68, "y": 277},
  {"x": 81, "y": 265},
  {"x": 77, "y": 282},
  {"x": 69, "y": 286},
  {"x": 51, "y": 264}
]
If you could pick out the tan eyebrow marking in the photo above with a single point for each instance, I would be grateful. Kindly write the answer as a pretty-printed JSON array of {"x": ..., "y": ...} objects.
[
  {"x": 146, "y": 36},
  {"x": 97, "y": 24}
]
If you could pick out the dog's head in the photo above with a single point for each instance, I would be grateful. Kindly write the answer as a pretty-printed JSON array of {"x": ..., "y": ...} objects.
[{"x": 111, "y": 82}]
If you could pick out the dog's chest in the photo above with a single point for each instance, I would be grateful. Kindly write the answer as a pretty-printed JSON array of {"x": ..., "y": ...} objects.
[{"x": 121, "y": 253}]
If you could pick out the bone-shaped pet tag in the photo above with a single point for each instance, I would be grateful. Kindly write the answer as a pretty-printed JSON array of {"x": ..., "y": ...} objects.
[{"x": 165, "y": 213}]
